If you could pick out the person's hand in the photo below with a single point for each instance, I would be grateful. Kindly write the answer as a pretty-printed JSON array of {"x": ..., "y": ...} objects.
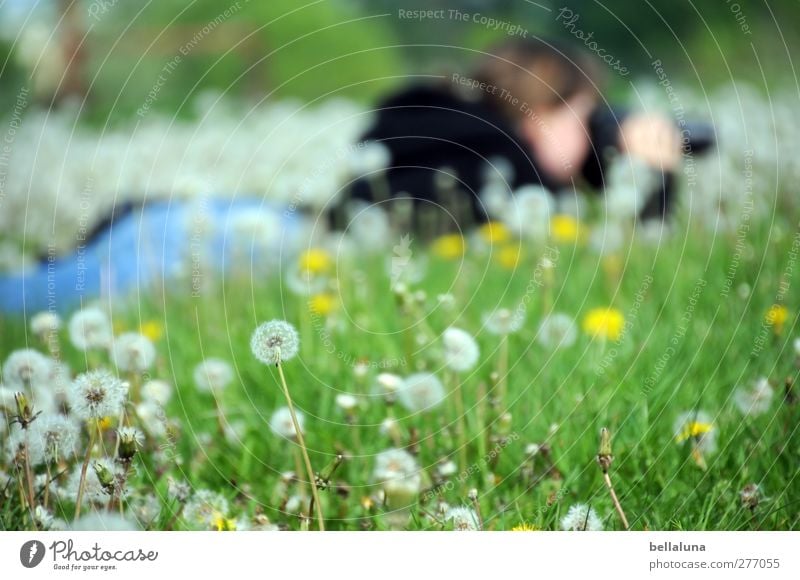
[{"x": 653, "y": 139}]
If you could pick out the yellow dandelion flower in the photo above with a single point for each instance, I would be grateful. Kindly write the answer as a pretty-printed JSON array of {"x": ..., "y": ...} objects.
[
  {"x": 449, "y": 247},
  {"x": 152, "y": 329},
  {"x": 322, "y": 304},
  {"x": 315, "y": 261},
  {"x": 525, "y": 527},
  {"x": 509, "y": 256},
  {"x": 223, "y": 524},
  {"x": 776, "y": 317},
  {"x": 494, "y": 233},
  {"x": 565, "y": 229},
  {"x": 694, "y": 429},
  {"x": 104, "y": 424},
  {"x": 604, "y": 322}
]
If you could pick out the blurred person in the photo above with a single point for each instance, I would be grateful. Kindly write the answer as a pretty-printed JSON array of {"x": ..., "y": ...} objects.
[{"x": 536, "y": 106}]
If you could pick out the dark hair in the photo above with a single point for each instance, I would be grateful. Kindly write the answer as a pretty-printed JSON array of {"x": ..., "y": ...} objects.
[{"x": 537, "y": 72}]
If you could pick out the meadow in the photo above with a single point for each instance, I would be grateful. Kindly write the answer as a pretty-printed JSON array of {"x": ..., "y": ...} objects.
[{"x": 680, "y": 341}]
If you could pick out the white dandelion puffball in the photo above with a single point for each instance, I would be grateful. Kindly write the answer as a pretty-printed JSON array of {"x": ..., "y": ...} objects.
[
  {"x": 133, "y": 352},
  {"x": 368, "y": 158},
  {"x": 204, "y": 508},
  {"x": 557, "y": 330},
  {"x": 90, "y": 328},
  {"x": 282, "y": 425},
  {"x": 464, "y": 519},
  {"x": 581, "y": 518},
  {"x": 421, "y": 392},
  {"x": 528, "y": 212},
  {"x": 461, "y": 352},
  {"x": 93, "y": 489},
  {"x": 274, "y": 342},
  {"x": 97, "y": 394},
  {"x": 797, "y": 346},
  {"x": 157, "y": 391},
  {"x": 152, "y": 418},
  {"x": 213, "y": 374},
  {"x": 388, "y": 383},
  {"x": 26, "y": 368},
  {"x": 503, "y": 321},
  {"x": 346, "y": 401},
  {"x": 756, "y": 400},
  {"x": 45, "y": 322},
  {"x": 395, "y": 465},
  {"x": 52, "y": 438}
]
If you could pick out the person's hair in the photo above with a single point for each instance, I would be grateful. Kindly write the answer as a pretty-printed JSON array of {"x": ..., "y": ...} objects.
[{"x": 537, "y": 72}]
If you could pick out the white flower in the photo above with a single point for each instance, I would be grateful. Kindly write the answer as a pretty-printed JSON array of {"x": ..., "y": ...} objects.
[
  {"x": 421, "y": 392},
  {"x": 204, "y": 509},
  {"x": 26, "y": 368},
  {"x": 461, "y": 352},
  {"x": 157, "y": 391},
  {"x": 528, "y": 213},
  {"x": 581, "y": 518},
  {"x": 557, "y": 330},
  {"x": 152, "y": 418},
  {"x": 45, "y": 322},
  {"x": 93, "y": 491},
  {"x": 274, "y": 341},
  {"x": 447, "y": 468},
  {"x": 281, "y": 423},
  {"x": 755, "y": 400},
  {"x": 133, "y": 352},
  {"x": 147, "y": 510},
  {"x": 15, "y": 442},
  {"x": 395, "y": 465},
  {"x": 503, "y": 321},
  {"x": 104, "y": 521},
  {"x": 52, "y": 438},
  {"x": 89, "y": 328},
  {"x": 797, "y": 346},
  {"x": 213, "y": 374},
  {"x": 464, "y": 519},
  {"x": 97, "y": 394},
  {"x": 178, "y": 490},
  {"x": 346, "y": 401},
  {"x": 388, "y": 383},
  {"x": 368, "y": 158}
]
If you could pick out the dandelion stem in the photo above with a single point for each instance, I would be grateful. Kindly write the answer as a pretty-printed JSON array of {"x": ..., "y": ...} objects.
[
  {"x": 604, "y": 459},
  {"x": 460, "y": 426},
  {"x": 301, "y": 441},
  {"x": 614, "y": 499},
  {"x": 502, "y": 371},
  {"x": 84, "y": 468}
]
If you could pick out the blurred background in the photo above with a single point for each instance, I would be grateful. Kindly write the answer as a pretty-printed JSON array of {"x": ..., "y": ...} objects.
[{"x": 112, "y": 51}]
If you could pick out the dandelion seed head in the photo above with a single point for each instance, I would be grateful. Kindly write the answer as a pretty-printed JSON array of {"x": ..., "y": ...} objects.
[
  {"x": 346, "y": 401},
  {"x": 26, "y": 368},
  {"x": 157, "y": 391},
  {"x": 133, "y": 352},
  {"x": 90, "y": 328},
  {"x": 581, "y": 518},
  {"x": 204, "y": 510},
  {"x": 97, "y": 394},
  {"x": 755, "y": 400},
  {"x": 281, "y": 423},
  {"x": 53, "y": 438},
  {"x": 503, "y": 321},
  {"x": 421, "y": 392},
  {"x": 461, "y": 352},
  {"x": 463, "y": 519},
  {"x": 45, "y": 322},
  {"x": 275, "y": 341},
  {"x": 213, "y": 375},
  {"x": 557, "y": 330}
]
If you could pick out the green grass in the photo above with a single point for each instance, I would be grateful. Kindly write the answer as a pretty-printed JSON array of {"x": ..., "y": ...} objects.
[{"x": 559, "y": 397}]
